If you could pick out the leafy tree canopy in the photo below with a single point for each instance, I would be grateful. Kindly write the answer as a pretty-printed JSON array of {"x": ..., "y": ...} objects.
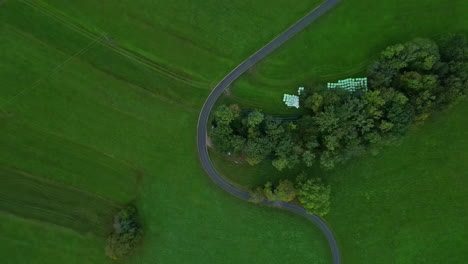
[
  {"x": 407, "y": 84},
  {"x": 314, "y": 196}
]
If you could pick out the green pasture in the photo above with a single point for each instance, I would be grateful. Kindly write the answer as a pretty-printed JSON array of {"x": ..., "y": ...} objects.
[
  {"x": 342, "y": 43},
  {"x": 407, "y": 204},
  {"x": 25, "y": 241},
  {"x": 35, "y": 198},
  {"x": 102, "y": 99},
  {"x": 201, "y": 40}
]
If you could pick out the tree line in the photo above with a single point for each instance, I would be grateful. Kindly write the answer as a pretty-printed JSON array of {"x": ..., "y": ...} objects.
[
  {"x": 406, "y": 85},
  {"x": 312, "y": 194}
]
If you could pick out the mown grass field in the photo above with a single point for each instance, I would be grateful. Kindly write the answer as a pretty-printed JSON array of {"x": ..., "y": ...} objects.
[
  {"x": 199, "y": 40},
  {"x": 33, "y": 197},
  {"x": 341, "y": 45},
  {"x": 25, "y": 241},
  {"x": 114, "y": 116},
  {"x": 405, "y": 205}
]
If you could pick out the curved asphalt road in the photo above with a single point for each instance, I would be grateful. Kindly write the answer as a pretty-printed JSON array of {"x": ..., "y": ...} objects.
[{"x": 218, "y": 90}]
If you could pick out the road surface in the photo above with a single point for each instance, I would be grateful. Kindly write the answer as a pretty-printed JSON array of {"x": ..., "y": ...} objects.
[{"x": 216, "y": 93}]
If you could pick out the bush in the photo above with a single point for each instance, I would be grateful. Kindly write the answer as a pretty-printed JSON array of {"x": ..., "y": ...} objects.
[
  {"x": 126, "y": 235},
  {"x": 257, "y": 195},
  {"x": 285, "y": 191},
  {"x": 314, "y": 196}
]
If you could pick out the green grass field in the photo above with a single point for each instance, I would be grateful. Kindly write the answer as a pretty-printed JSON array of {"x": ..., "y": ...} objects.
[
  {"x": 25, "y": 241},
  {"x": 33, "y": 197},
  {"x": 114, "y": 117},
  {"x": 197, "y": 40},
  {"x": 341, "y": 45},
  {"x": 407, "y": 204}
]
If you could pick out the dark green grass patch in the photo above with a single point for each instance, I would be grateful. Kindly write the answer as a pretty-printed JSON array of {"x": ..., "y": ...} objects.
[
  {"x": 405, "y": 205},
  {"x": 35, "y": 198},
  {"x": 61, "y": 159}
]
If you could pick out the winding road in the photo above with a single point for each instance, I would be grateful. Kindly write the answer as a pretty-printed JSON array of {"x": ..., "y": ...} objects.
[{"x": 216, "y": 93}]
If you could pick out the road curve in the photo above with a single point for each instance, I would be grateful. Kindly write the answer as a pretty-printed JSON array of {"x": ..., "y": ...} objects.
[{"x": 216, "y": 93}]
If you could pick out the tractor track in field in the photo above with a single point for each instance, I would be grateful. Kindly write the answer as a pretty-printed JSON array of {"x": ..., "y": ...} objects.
[
  {"x": 202, "y": 132},
  {"x": 107, "y": 42}
]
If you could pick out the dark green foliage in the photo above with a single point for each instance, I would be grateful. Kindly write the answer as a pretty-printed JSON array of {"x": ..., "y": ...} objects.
[
  {"x": 454, "y": 68},
  {"x": 224, "y": 114},
  {"x": 257, "y": 149},
  {"x": 257, "y": 195},
  {"x": 254, "y": 118},
  {"x": 308, "y": 158},
  {"x": 285, "y": 191},
  {"x": 126, "y": 235},
  {"x": 223, "y": 136},
  {"x": 406, "y": 84},
  {"x": 430, "y": 76},
  {"x": 419, "y": 54}
]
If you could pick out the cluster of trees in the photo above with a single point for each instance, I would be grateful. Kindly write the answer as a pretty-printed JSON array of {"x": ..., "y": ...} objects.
[
  {"x": 407, "y": 84},
  {"x": 312, "y": 194},
  {"x": 255, "y": 136},
  {"x": 126, "y": 233},
  {"x": 430, "y": 75}
]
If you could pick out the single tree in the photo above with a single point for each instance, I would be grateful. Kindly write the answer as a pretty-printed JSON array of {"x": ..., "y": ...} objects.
[
  {"x": 314, "y": 196},
  {"x": 285, "y": 191}
]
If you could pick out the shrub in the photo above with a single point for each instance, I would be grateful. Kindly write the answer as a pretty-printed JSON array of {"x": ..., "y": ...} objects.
[
  {"x": 257, "y": 195},
  {"x": 314, "y": 196},
  {"x": 285, "y": 191},
  {"x": 126, "y": 234}
]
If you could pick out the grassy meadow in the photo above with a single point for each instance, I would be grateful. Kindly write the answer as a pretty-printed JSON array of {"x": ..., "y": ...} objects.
[
  {"x": 98, "y": 108},
  {"x": 199, "y": 40},
  {"x": 408, "y": 203},
  {"x": 342, "y": 43},
  {"x": 33, "y": 197}
]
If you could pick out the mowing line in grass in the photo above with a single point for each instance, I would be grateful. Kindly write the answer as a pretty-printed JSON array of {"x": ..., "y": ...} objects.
[
  {"x": 119, "y": 50},
  {"x": 52, "y": 72},
  {"x": 35, "y": 198}
]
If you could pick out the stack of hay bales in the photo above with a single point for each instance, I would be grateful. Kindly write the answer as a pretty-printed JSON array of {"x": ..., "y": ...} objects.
[{"x": 350, "y": 84}]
